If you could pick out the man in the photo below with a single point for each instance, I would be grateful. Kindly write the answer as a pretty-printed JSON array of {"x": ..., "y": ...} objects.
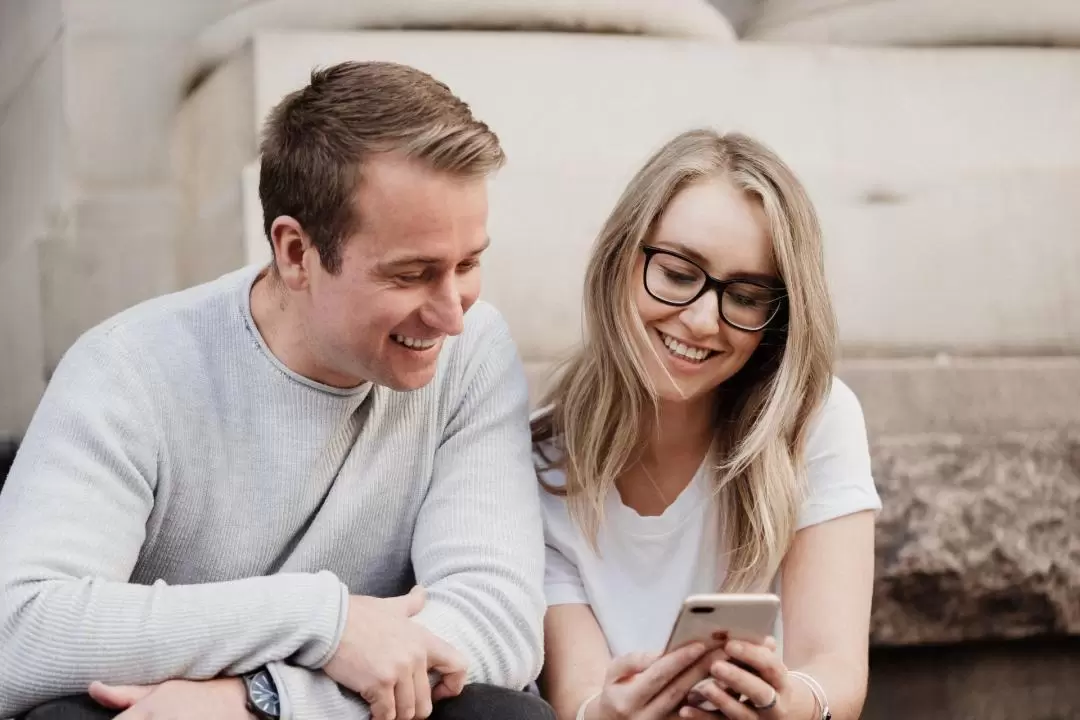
[{"x": 226, "y": 494}]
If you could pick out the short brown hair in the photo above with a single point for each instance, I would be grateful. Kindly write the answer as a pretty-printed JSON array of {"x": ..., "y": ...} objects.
[{"x": 315, "y": 140}]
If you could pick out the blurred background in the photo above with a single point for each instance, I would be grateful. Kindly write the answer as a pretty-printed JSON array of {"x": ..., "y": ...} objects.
[{"x": 940, "y": 140}]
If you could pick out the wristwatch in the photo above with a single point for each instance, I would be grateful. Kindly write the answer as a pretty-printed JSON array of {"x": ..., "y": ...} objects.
[{"x": 262, "y": 695}]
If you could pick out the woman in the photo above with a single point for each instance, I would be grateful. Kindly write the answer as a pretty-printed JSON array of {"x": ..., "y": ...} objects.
[{"x": 698, "y": 442}]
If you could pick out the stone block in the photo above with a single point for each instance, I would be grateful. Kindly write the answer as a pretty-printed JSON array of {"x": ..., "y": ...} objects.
[
  {"x": 34, "y": 181},
  {"x": 28, "y": 29},
  {"x": 987, "y": 396},
  {"x": 126, "y": 19},
  {"x": 943, "y": 231},
  {"x": 118, "y": 250},
  {"x": 918, "y": 22},
  {"x": 213, "y": 139},
  {"x": 979, "y": 538},
  {"x": 121, "y": 96},
  {"x": 22, "y": 346},
  {"x": 922, "y": 397}
]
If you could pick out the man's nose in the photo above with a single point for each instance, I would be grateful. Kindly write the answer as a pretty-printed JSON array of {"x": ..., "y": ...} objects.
[{"x": 444, "y": 312}]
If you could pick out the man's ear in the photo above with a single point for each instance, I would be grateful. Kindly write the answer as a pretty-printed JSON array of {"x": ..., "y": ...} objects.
[{"x": 290, "y": 243}]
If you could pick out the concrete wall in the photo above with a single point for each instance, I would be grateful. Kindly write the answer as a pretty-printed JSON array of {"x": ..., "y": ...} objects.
[
  {"x": 91, "y": 211},
  {"x": 945, "y": 178},
  {"x": 949, "y": 216},
  {"x": 33, "y": 192}
]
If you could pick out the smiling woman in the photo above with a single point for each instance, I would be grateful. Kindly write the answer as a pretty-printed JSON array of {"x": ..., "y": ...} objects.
[{"x": 698, "y": 442}]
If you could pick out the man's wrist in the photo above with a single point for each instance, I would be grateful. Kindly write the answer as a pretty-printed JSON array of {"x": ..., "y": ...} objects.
[
  {"x": 233, "y": 688},
  {"x": 261, "y": 695}
]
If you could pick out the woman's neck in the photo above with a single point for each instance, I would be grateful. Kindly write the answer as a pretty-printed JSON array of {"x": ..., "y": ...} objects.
[
  {"x": 678, "y": 428},
  {"x": 674, "y": 441}
]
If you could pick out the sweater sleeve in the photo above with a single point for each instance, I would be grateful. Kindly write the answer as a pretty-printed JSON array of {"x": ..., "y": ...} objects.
[
  {"x": 72, "y": 524},
  {"x": 478, "y": 547},
  {"x": 312, "y": 695}
]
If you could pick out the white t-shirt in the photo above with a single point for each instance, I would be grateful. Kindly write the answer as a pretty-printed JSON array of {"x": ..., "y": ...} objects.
[{"x": 648, "y": 565}]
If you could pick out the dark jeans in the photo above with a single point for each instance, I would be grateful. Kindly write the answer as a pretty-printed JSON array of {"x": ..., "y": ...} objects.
[{"x": 476, "y": 702}]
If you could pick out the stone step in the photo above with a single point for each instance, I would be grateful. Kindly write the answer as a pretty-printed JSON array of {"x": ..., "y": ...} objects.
[{"x": 965, "y": 395}]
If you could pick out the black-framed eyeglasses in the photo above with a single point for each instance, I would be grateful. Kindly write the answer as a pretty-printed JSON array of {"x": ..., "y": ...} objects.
[{"x": 674, "y": 279}]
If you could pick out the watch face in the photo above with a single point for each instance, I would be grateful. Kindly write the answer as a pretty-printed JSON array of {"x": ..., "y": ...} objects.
[{"x": 263, "y": 694}]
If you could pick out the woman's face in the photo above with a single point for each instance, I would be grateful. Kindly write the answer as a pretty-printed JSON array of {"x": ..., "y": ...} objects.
[{"x": 724, "y": 231}]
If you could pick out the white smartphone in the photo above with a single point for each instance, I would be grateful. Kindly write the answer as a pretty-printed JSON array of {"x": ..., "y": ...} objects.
[{"x": 713, "y": 618}]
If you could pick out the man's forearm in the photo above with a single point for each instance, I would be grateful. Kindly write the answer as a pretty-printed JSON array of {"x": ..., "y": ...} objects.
[
  {"x": 502, "y": 646},
  {"x": 58, "y": 636}
]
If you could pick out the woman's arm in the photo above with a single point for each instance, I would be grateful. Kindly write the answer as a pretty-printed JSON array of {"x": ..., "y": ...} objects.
[
  {"x": 576, "y": 658},
  {"x": 828, "y": 576}
]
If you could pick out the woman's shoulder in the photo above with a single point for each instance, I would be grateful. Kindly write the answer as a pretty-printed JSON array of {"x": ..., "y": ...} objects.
[
  {"x": 838, "y": 417},
  {"x": 838, "y": 465}
]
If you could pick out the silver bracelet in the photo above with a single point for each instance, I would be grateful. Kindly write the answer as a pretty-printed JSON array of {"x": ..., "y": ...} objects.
[
  {"x": 822, "y": 702},
  {"x": 585, "y": 704}
]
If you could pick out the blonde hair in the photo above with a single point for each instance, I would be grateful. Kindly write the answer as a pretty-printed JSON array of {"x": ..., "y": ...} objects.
[{"x": 597, "y": 404}]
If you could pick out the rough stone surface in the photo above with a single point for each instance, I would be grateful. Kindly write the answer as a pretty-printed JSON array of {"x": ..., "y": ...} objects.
[{"x": 979, "y": 538}]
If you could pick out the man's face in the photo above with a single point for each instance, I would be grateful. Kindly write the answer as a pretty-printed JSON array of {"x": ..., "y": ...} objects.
[{"x": 408, "y": 274}]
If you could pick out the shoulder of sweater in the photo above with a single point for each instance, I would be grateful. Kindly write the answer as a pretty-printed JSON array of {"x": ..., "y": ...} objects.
[{"x": 142, "y": 325}]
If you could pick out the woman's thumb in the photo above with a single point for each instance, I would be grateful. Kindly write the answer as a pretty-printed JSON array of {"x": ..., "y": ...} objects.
[{"x": 631, "y": 664}]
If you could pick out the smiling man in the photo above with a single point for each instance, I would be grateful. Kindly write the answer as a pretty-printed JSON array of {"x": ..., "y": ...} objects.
[{"x": 298, "y": 491}]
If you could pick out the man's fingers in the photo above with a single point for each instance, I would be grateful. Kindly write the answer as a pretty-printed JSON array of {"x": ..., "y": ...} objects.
[
  {"x": 405, "y": 698},
  {"x": 414, "y": 601},
  {"x": 442, "y": 691},
  {"x": 118, "y": 697},
  {"x": 381, "y": 704},
  {"x": 422, "y": 692},
  {"x": 410, "y": 603},
  {"x": 442, "y": 657}
]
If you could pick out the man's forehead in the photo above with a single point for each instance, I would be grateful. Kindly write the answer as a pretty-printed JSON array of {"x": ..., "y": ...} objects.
[{"x": 449, "y": 252}]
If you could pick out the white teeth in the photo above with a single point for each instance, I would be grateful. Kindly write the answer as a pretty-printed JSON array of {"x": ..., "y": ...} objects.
[
  {"x": 683, "y": 350},
  {"x": 415, "y": 343}
]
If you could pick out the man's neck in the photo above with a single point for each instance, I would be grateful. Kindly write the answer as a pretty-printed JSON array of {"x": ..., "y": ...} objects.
[{"x": 281, "y": 327}]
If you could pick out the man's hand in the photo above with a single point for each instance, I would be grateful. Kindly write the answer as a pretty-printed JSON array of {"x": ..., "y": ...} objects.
[
  {"x": 224, "y": 699},
  {"x": 384, "y": 657}
]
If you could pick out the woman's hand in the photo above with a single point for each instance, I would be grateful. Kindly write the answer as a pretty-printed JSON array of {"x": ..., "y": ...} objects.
[
  {"x": 752, "y": 671},
  {"x": 649, "y": 686}
]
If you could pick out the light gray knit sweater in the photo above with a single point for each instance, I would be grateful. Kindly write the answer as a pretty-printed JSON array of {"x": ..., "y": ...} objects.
[{"x": 183, "y": 505}]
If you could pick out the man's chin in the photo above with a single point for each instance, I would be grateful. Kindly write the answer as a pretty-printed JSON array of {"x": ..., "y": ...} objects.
[{"x": 407, "y": 382}]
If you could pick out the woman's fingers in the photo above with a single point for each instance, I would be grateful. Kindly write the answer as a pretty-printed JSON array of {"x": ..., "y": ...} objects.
[
  {"x": 678, "y": 691},
  {"x": 693, "y": 713},
  {"x": 631, "y": 664},
  {"x": 761, "y": 660},
  {"x": 743, "y": 683},
  {"x": 728, "y": 706},
  {"x": 657, "y": 676}
]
